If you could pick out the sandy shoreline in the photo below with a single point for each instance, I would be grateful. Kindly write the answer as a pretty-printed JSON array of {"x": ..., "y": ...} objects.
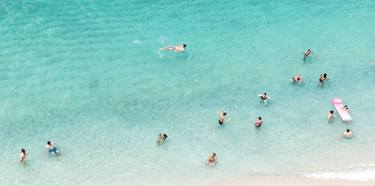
[{"x": 284, "y": 181}]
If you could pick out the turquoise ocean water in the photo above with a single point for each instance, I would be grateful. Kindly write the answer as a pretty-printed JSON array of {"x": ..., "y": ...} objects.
[{"x": 88, "y": 75}]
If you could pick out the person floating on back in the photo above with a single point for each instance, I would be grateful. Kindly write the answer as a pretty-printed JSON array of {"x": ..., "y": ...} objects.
[
  {"x": 264, "y": 98},
  {"x": 178, "y": 48},
  {"x": 307, "y": 54},
  {"x": 348, "y": 133},
  {"x": 297, "y": 79},
  {"x": 212, "y": 159},
  {"x": 52, "y": 149},
  {"x": 222, "y": 117},
  {"x": 330, "y": 116},
  {"x": 23, "y": 156},
  {"x": 161, "y": 139},
  {"x": 258, "y": 122},
  {"x": 323, "y": 78}
]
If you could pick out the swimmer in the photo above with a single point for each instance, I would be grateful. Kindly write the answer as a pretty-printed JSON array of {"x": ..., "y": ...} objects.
[
  {"x": 322, "y": 78},
  {"x": 306, "y": 54},
  {"x": 345, "y": 108},
  {"x": 212, "y": 159},
  {"x": 23, "y": 156},
  {"x": 330, "y": 115},
  {"x": 297, "y": 79},
  {"x": 222, "y": 117},
  {"x": 264, "y": 97},
  {"x": 258, "y": 122},
  {"x": 161, "y": 139},
  {"x": 51, "y": 148},
  {"x": 179, "y": 48},
  {"x": 348, "y": 133}
]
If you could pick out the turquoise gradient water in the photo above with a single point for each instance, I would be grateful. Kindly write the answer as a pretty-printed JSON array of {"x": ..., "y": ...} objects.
[{"x": 88, "y": 75}]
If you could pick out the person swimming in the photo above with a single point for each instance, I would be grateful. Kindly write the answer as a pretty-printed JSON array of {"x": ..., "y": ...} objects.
[
  {"x": 297, "y": 79},
  {"x": 179, "y": 48},
  {"x": 307, "y": 54},
  {"x": 330, "y": 115},
  {"x": 264, "y": 97},
  {"x": 258, "y": 122},
  {"x": 222, "y": 117},
  {"x": 23, "y": 156},
  {"x": 212, "y": 159},
  {"x": 51, "y": 148},
  {"x": 162, "y": 138},
  {"x": 348, "y": 133}
]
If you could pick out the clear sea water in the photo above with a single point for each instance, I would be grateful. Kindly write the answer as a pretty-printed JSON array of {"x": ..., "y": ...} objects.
[{"x": 88, "y": 75}]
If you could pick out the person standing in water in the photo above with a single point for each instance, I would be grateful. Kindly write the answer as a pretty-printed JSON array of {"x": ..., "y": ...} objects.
[
  {"x": 264, "y": 98},
  {"x": 323, "y": 78},
  {"x": 162, "y": 138},
  {"x": 23, "y": 156},
  {"x": 51, "y": 148},
  {"x": 222, "y": 117},
  {"x": 178, "y": 48},
  {"x": 212, "y": 159},
  {"x": 330, "y": 116},
  {"x": 306, "y": 54},
  {"x": 348, "y": 133},
  {"x": 258, "y": 122},
  {"x": 297, "y": 79}
]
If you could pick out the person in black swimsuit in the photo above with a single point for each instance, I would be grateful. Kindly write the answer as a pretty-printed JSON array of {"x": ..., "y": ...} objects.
[
  {"x": 222, "y": 115},
  {"x": 322, "y": 78}
]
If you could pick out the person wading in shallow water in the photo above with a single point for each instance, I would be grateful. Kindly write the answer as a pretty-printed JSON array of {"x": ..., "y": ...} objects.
[
  {"x": 258, "y": 122},
  {"x": 212, "y": 159},
  {"x": 222, "y": 117},
  {"x": 162, "y": 138},
  {"x": 264, "y": 98},
  {"x": 348, "y": 133},
  {"x": 330, "y": 116},
  {"x": 23, "y": 156}
]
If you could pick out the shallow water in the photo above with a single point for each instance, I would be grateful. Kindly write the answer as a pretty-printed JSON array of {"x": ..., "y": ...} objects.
[{"x": 88, "y": 75}]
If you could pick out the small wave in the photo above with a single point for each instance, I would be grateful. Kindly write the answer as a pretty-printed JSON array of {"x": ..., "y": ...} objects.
[
  {"x": 353, "y": 174},
  {"x": 136, "y": 41}
]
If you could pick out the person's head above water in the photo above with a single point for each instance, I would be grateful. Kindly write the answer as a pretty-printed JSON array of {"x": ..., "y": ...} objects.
[
  {"x": 325, "y": 75},
  {"x": 347, "y": 130},
  {"x": 265, "y": 94},
  {"x": 260, "y": 118},
  {"x": 23, "y": 151},
  {"x": 331, "y": 111},
  {"x": 224, "y": 113},
  {"x": 213, "y": 154},
  {"x": 184, "y": 45},
  {"x": 48, "y": 142}
]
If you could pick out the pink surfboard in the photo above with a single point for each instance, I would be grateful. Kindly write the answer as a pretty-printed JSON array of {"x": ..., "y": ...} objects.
[{"x": 337, "y": 103}]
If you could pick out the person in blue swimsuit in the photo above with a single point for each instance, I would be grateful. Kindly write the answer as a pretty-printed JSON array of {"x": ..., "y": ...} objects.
[{"x": 52, "y": 149}]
